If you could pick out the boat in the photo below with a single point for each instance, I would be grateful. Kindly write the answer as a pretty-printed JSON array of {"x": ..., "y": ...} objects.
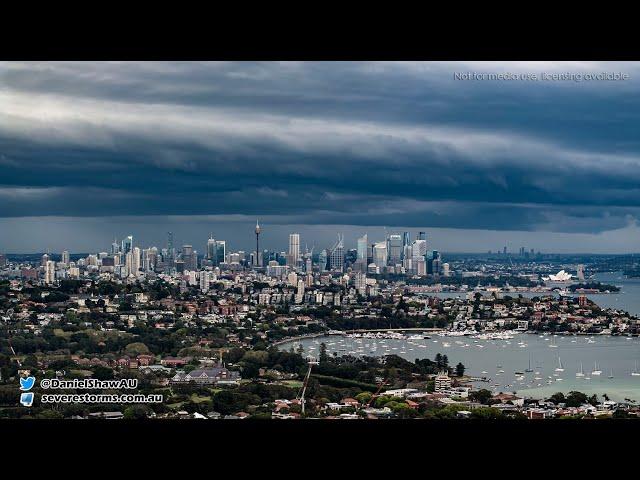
[
  {"x": 559, "y": 368},
  {"x": 529, "y": 370},
  {"x": 611, "y": 373},
  {"x": 635, "y": 372},
  {"x": 595, "y": 370},
  {"x": 581, "y": 372},
  {"x": 553, "y": 343},
  {"x": 519, "y": 373}
]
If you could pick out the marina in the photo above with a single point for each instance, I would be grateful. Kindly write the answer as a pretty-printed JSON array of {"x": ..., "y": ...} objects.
[{"x": 512, "y": 361}]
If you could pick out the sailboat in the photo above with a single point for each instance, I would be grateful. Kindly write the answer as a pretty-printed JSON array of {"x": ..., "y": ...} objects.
[
  {"x": 529, "y": 370},
  {"x": 559, "y": 368},
  {"x": 595, "y": 370},
  {"x": 581, "y": 372},
  {"x": 611, "y": 373},
  {"x": 553, "y": 344},
  {"x": 635, "y": 372}
]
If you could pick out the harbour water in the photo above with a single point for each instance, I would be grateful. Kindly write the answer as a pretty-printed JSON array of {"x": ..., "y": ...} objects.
[{"x": 499, "y": 360}]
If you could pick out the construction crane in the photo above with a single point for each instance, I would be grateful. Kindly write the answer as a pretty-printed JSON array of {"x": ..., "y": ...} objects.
[{"x": 312, "y": 361}]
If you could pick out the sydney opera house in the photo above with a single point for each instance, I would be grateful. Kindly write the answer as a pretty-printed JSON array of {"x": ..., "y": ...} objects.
[{"x": 561, "y": 276}]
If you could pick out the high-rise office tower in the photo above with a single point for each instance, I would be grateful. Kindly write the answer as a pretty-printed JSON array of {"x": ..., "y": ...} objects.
[
  {"x": 362, "y": 247},
  {"x": 44, "y": 259},
  {"x": 294, "y": 250},
  {"x": 406, "y": 241},
  {"x": 221, "y": 249},
  {"x": 323, "y": 258},
  {"x": 135, "y": 263},
  {"x": 65, "y": 257},
  {"x": 128, "y": 263},
  {"x": 212, "y": 254},
  {"x": 362, "y": 254},
  {"x": 380, "y": 255},
  {"x": 422, "y": 236},
  {"x": 407, "y": 257},
  {"x": 115, "y": 248},
  {"x": 127, "y": 244},
  {"x": 336, "y": 255},
  {"x": 189, "y": 257},
  {"x": 170, "y": 259},
  {"x": 419, "y": 248},
  {"x": 395, "y": 249}
]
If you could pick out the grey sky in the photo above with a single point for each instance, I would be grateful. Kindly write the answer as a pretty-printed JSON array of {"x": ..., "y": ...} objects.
[{"x": 92, "y": 150}]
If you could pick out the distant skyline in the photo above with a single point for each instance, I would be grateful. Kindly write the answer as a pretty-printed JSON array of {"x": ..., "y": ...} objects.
[
  {"x": 91, "y": 235},
  {"x": 89, "y": 150}
]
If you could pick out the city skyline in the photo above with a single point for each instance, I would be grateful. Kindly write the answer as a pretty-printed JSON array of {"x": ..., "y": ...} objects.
[
  {"x": 92, "y": 150},
  {"x": 241, "y": 236}
]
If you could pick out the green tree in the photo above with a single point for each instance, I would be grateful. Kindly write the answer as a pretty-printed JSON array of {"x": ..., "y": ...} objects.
[
  {"x": 137, "y": 412},
  {"x": 460, "y": 369},
  {"x": 481, "y": 396},
  {"x": 135, "y": 349},
  {"x": 364, "y": 397}
]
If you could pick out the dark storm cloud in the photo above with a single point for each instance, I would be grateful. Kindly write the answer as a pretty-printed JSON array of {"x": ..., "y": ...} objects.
[{"x": 321, "y": 143}]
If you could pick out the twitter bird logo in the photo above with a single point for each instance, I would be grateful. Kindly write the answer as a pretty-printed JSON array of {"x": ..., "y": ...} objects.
[
  {"x": 26, "y": 399},
  {"x": 27, "y": 383}
]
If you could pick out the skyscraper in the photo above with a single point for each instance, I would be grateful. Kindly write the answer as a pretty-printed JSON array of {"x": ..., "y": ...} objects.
[
  {"x": 294, "y": 250},
  {"x": 135, "y": 264},
  {"x": 211, "y": 250},
  {"x": 395, "y": 249},
  {"x": 189, "y": 257},
  {"x": 323, "y": 258},
  {"x": 221, "y": 249},
  {"x": 362, "y": 248},
  {"x": 50, "y": 272},
  {"x": 406, "y": 241},
  {"x": 336, "y": 255},
  {"x": 65, "y": 257},
  {"x": 362, "y": 253},
  {"x": 127, "y": 244},
  {"x": 380, "y": 255}
]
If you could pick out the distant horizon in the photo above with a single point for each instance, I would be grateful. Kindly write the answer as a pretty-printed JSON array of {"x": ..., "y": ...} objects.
[{"x": 93, "y": 236}]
